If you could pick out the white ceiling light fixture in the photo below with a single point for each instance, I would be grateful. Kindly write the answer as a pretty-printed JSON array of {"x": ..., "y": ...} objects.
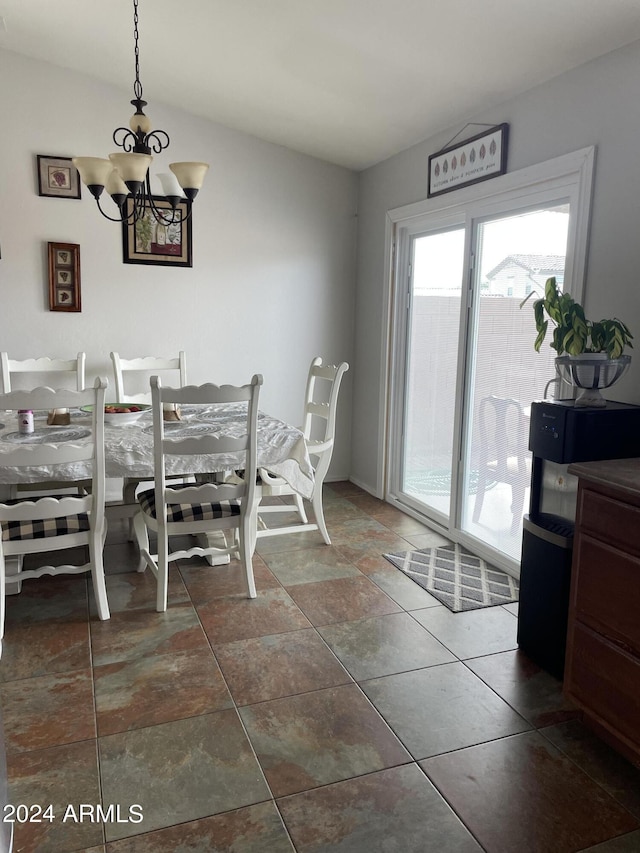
[{"x": 126, "y": 173}]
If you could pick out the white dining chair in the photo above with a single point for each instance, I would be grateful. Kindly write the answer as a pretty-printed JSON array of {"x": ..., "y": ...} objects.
[
  {"x": 201, "y": 508},
  {"x": 138, "y": 371},
  {"x": 319, "y": 427},
  {"x": 52, "y": 372},
  {"x": 43, "y": 525},
  {"x": 130, "y": 372}
]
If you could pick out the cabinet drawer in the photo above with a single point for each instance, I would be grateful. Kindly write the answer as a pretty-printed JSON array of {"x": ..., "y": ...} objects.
[
  {"x": 606, "y": 681},
  {"x": 613, "y": 521},
  {"x": 606, "y": 591}
]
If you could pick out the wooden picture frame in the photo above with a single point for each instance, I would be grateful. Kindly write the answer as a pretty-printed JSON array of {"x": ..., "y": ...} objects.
[
  {"x": 57, "y": 177},
  {"x": 148, "y": 241},
  {"x": 479, "y": 158},
  {"x": 64, "y": 277}
]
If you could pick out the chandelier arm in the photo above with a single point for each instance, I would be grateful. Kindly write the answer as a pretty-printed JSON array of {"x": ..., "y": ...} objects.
[
  {"x": 157, "y": 140},
  {"x": 124, "y": 134},
  {"x": 164, "y": 215},
  {"x": 121, "y": 218}
]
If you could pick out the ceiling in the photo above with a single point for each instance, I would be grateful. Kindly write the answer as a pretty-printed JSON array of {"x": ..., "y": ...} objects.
[{"x": 349, "y": 81}]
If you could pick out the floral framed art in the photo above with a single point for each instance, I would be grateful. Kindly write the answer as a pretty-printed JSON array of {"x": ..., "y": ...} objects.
[
  {"x": 64, "y": 277},
  {"x": 57, "y": 177},
  {"x": 151, "y": 241}
]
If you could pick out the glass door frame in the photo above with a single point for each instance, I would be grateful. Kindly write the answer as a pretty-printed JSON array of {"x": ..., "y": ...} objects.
[{"x": 566, "y": 179}]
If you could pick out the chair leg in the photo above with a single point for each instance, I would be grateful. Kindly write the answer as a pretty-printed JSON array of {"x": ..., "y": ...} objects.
[
  {"x": 142, "y": 538},
  {"x": 96, "y": 557},
  {"x": 300, "y": 508},
  {"x": 246, "y": 533},
  {"x": 163, "y": 572},
  {"x": 318, "y": 510},
  {"x": 481, "y": 489}
]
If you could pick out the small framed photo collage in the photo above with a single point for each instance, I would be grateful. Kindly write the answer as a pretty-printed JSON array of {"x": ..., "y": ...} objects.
[{"x": 64, "y": 277}]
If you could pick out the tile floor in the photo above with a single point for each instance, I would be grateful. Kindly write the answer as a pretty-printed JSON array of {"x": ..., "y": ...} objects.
[{"x": 343, "y": 710}]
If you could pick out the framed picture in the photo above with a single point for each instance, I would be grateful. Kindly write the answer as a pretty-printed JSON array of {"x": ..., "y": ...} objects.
[
  {"x": 153, "y": 241},
  {"x": 57, "y": 177},
  {"x": 476, "y": 159},
  {"x": 64, "y": 277}
]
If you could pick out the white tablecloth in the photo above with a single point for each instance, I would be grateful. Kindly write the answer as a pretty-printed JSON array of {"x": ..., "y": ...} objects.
[{"x": 129, "y": 448}]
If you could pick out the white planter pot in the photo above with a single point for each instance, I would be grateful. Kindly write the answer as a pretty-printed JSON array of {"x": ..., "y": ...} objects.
[{"x": 590, "y": 372}]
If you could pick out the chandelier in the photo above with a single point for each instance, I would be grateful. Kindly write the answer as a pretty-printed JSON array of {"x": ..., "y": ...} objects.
[{"x": 125, "y": 175}]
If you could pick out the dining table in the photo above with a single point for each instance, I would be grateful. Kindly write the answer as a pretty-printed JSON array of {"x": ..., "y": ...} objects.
[{"x": 282, "y": 450}]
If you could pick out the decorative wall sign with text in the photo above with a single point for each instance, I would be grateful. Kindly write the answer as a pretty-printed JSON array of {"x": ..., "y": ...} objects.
[
  {"x": 64, "y": 277},
  {"x": 477, "y": 159}
]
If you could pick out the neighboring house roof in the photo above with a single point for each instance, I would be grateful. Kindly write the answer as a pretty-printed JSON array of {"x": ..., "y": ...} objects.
[{"x": 535, "y": 264}]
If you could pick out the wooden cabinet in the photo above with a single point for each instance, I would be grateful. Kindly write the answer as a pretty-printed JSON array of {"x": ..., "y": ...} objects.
[{"x": 602, "y": 669}]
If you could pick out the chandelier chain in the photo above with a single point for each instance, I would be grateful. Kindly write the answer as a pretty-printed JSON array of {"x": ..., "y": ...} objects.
[{"x": 137, "y": 86}]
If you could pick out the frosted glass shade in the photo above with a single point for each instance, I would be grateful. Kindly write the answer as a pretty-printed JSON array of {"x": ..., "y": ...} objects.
[
  {"x": 94, "y": 171},
  {"x": 190, "y": 175},
  {"x": 115, "y": 185},
  {"x": 131, "y": 167},
  {"x": 170, "y": 185}
]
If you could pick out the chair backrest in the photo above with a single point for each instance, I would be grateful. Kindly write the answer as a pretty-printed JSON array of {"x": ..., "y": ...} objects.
[
  {"x": 502, "y": 432},
  {"x": 180, "y": 449},
  {"x": 321, "y": 403},
  {"x": 140, "y": 370},
  {"x": 65, "y": 456},
  {"x": 70, "y": 372}
]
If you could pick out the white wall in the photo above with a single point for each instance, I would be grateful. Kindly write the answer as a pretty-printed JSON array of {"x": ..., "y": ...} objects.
[
  {"x": 272, "y": 283},
  {"x": 596, "y": 104}
]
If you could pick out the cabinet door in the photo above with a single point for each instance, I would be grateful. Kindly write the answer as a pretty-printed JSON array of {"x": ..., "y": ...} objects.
[
  {"x": 606, "y": 592},
  {"x": 606, "y": 682}
]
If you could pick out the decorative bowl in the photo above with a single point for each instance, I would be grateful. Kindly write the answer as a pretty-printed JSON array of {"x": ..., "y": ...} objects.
[
  {"x": 119, "y": 414},
  {"x": 590, "y": 372}
]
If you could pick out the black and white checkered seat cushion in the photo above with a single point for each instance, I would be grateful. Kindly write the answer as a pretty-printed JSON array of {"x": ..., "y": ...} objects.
[
  {"x": 44, "y": 527},
  {"x": 188, "y": 512}
]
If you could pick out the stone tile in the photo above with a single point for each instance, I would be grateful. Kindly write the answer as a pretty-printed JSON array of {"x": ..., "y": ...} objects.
[
  {"x": 551, "y": 804},
  {"x": 137, "y": 591},
  {"x": 442, "y": 708},
  {"x": 472, "y": 633},
  {"x": 316, "y": 738},
  {"x": 279, "y": 665},
  {"x": 338, "y": 509},
  {"x": 135, "y": 634},
  {"x": 405, "y": 592},
  {"x": 120, "y": 558},
  {"x": 290, "y": 542},
  {"x": 272, "y": 612},
  {"x": 255, "y": 829},
  {"x": 512, "y": 608},
  {"x": 156, "y": 689},
  {"x": 315, "y": 564},
  {"x": 368, "y": 503},
  {"x": 341, "y": 599},
  {"x": 370, "y": 648},
  {"x": 59, "y": 776},
  {"x": 62, "y": 598},
  {"x": 358, "y": 536},
  {"x": 396, "y": 809},
  {"x": 629, "y": 843},
  {"x": 204, "y": 582},
  {"x": 531, "y": 691},
  {"x": 180, "y": 771},
  {"x": 607, "y": 767},
  {"x": 344, "y": 488},
  {"x": 45, "y": 647},
  {"x": 48, "y": 710},
  {"x": 430, "y": 539}
]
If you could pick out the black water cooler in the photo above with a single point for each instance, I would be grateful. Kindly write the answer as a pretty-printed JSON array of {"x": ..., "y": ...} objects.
[{"x": 561, "y": 433}]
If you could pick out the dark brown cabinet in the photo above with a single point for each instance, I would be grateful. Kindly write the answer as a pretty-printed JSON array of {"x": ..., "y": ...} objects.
[{"x": 602, "y": 670}]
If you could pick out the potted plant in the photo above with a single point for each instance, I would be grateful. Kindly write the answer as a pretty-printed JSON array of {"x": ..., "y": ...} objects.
[{"x": 590, "y": 353}]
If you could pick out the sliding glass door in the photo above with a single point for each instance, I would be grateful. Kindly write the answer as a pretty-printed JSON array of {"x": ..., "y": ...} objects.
[{"x": 466, "y": 371}]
